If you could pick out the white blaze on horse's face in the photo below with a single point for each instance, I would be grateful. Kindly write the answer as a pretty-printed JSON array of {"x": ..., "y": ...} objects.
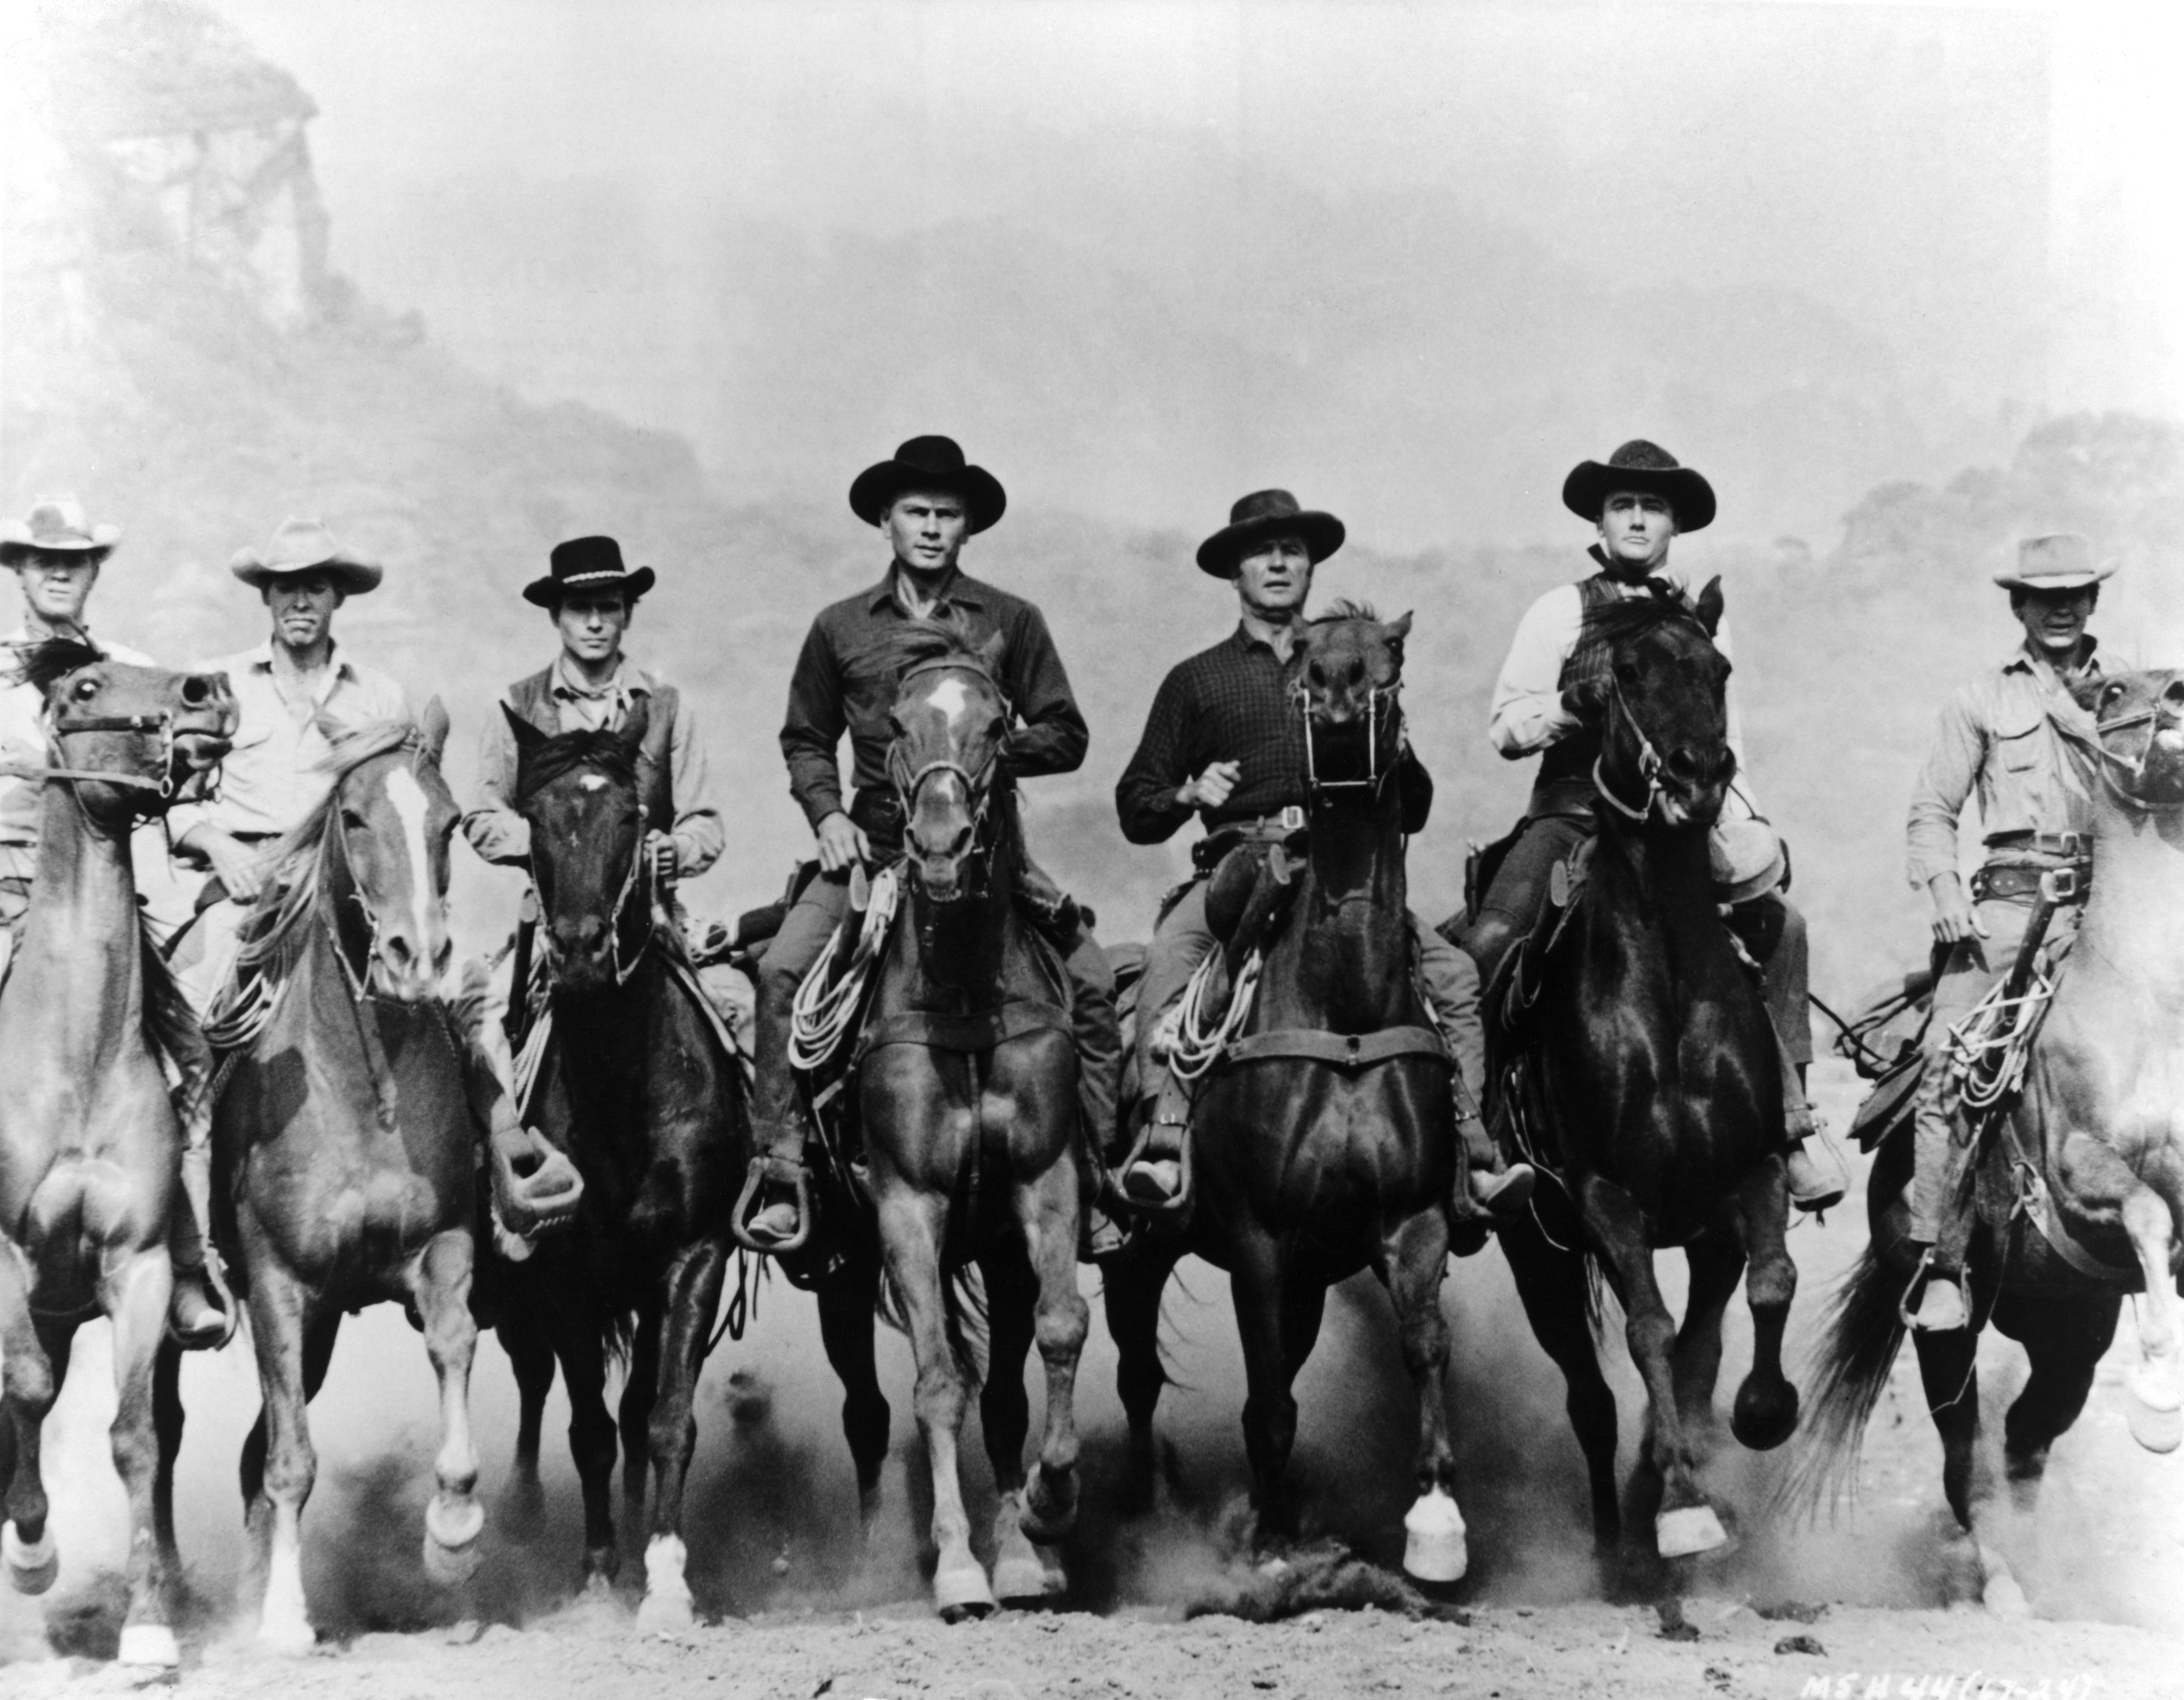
[
  {"x": 948, "y": 726},
  {"x": 410, "y": 969},
  {"x": 951, "y": 699}
]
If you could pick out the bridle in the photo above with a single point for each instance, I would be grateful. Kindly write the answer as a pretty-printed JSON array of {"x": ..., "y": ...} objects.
[
  {"x": 978, "y": 784},
  {"x": 359, "y": 979},
  {"x": 163, "y": 722},
  {"x": 1381, "y": 702},
  {"x": 639, "y": 891},
  {"x": 2151, "y": 718},
  {"x": 1649, "y": 760}
]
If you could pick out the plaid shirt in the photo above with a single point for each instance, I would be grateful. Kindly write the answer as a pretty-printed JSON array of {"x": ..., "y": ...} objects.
[
  {"x": 1230, "y": 703},
  {"x": 845, "y": 681}
]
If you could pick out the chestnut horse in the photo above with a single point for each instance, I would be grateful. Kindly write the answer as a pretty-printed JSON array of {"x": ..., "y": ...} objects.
[
  {"x": 2080, "y": 1196},
  {"x": 90, "y": 1143}
]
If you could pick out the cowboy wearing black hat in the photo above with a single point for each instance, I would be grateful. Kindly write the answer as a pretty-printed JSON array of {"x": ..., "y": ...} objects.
[
  {"x": 591, "y": 686},
  {"x": 1546, "y": 703},
  {"x": 1223, "y": 742},
  {"x": 927, "y": 500}
]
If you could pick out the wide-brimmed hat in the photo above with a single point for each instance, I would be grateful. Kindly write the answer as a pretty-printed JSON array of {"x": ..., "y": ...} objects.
[
  {"x": 1265, "y": 514},
  {"x": 1747, "y": 859},
  {"x": 928, "y": 463},
  {"x": 56, "y": 524},
  {"x": 305, "y": 546},
  {"x": 586, "y": 564},
  {"x": 2061, "y": 561},
  {"x": 1648, "y": 469}
]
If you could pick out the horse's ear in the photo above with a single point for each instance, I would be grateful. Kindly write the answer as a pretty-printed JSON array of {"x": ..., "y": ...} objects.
[
  {"x": 1709, "y": 605},
  {"x": 432, "y": 729},
  {"x": 1399, "y": 628},
  {"x": 990, "y": 652},
  {"x": 528, "y": 736},
  {"x": 636, "y": 723}
]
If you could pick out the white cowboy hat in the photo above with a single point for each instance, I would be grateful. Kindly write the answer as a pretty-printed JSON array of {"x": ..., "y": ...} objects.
[
  {"x": 2062, "y": 561},
  {"x": 1745, "y": 857},
  {"x": 305, "y": 546},
  {"x": 56, "y": 525}
]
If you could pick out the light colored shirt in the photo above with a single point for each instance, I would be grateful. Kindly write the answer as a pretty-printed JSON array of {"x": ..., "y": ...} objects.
[
  {"x": 500, "y": 834},
  {"x": 275, "y": 773},
  {"x": 23, "y": 741},
  {"x": 1527, "y": 714},
  {"x": 2008, "y": 737}
]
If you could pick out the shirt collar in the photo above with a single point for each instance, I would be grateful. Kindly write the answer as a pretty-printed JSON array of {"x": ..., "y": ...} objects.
[
  {"x": 260, "y": 660},
  {"x": 1245, "y": 643},
  {"x": 958, "y": 587},
  {"x": 629, "y": 680},
  {"x": 2022, "y": 660}
]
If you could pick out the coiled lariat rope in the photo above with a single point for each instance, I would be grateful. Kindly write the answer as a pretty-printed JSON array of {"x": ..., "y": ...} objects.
[
  {"x": 824, "y": 1015},
  {"x": 1988, "y": 1048},
  {"x": 1194, "y": 1046}
]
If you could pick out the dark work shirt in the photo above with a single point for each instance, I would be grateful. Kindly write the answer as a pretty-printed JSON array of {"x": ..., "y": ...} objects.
[
  {"x": 845, "y": 682},
  {"x": 1230, "y": 703}
]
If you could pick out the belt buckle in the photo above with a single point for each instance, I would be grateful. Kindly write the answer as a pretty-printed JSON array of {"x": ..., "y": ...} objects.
[
  {"x": 2071, "y": 844},
  {"x": 2061, "y": 885},
  {"x": 1292, "y": 818}
]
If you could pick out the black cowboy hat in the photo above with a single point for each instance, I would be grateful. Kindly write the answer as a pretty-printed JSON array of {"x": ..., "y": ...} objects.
[
  {"x": 586, "y": 564},
  {"x": 1264, "y": 514},
  {"x": 928, "y": 463},
  {"x": 1649, "y": 470}
]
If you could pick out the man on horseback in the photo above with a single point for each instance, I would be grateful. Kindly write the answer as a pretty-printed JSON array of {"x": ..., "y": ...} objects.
[
  {"x": 1225, "y": 742},
  {"x": 2012, "y": 737},
  {"x": 1549, "y": 701},
  {"x": 57, "y": 553},
  {"x": 927, "y": 501}
]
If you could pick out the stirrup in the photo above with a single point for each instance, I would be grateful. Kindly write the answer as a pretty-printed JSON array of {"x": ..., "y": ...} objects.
[
  {"x": 221, "y": 1303},
  {"x": 1921, "y": 1278},
  {"x": 765, "y": 1168},
  {"x": 1140, "y": 1152}
]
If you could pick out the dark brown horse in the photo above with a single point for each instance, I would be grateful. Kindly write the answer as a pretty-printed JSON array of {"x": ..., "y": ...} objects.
[
  {"x": 632, "y": 1084},
  {"x": 1324, "y": 1142},
  {"x": 1650, "y": 1083},
  {"x": 90, "y": 1145},
  {"x": 2080, "y": 1196},
  {"x": 967, "y": 1094},
  {"x": 344, "y": 1146}
]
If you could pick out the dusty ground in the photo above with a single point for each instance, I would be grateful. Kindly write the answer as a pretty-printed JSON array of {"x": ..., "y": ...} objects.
[{"x": 791, "y": 1610}]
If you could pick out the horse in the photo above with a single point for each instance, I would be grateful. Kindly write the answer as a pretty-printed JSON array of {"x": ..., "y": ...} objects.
[
  {"x": 90, "y": 1141},
  {"x": 2080, "y": 1193},
  {"x": 629, "y": 1078},
  {"x": 345, "y": 1139},
  {"x": 1322, "y": 1140},
  {"x": 1646, "y": 1076},
  {"x": 967, "y": 1095}
]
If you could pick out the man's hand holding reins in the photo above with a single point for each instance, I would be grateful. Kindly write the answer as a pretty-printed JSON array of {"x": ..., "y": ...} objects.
[
  {"x": 242, "y": 870},
  {"x": 842, "y": 843},
  {"x": 666, "y": 859},
  {"x": 1585, "y": 700},
  {"x": 1954, "y": 918},
  {"x": 1210, "y": 788}
]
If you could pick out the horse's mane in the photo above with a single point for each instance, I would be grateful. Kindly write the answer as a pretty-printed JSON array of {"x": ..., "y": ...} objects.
[
  {"x": 290, "y": 891},
  {"x": 1625, "y": 623},
  {"x": 565, "y": 752},
  {"x": 1342, "y": 608},
  {"x": 45, "y": 664},
  {"x": 945, "y": 636}
]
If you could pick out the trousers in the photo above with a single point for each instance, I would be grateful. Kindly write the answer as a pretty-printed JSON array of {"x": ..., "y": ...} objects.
[{"x": 790, "y": 954}]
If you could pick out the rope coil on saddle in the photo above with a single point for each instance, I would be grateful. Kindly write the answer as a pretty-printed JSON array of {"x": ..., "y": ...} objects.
[
  {"x": 824, "y": 1015},
  {"x": 1989, "y": 1049},
  {"x": 1194, "y": 1045}
]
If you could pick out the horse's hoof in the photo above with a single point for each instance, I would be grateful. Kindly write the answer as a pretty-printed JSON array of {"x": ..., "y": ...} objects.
[
  {"x": 30, "y": 1568},
  {"x": 1764, "y": 1418},
  {"x": 449, "y": 1567},
  {"x": 664, "y": 1613},
  {"x": 150, "y": 1645},
  {"x": 289, "y": 1640},
  {"x": 2154, "y": 1408},
  {"x": 1433, "y": 1549},
  {"x": 454, "y": 1523},
  {"x": 1028, "y": 1578},
  {"x": 2003, "y": 1597},
  {"x": 1680, "y": 1534},
  {"x": 665, "y": 1607},
  {"x": 960, "y": 1590},
  {"x": 1049, "y": 1512}
]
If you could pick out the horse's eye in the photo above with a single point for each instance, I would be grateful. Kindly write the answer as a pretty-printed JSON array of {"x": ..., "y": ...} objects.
[
  {"x": 86, "y": 689},
  {"x": 351, "y": 820}
]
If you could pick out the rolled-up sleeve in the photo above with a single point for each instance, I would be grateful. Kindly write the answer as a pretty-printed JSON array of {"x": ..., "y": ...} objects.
[
  {"x": 497, "y": 832},
  {"x": 1528, "y": 714},
  {"x": 812, "y": 732},
  {"x": 1943, "y": 786},
  {"x": 1051, "y": 736},
  {"x": 699, "y": 834},
  {"x": 1145, "y": 795}
]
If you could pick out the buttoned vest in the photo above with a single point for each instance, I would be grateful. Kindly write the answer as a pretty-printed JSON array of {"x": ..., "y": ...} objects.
[{"x": 532, "y": 698}]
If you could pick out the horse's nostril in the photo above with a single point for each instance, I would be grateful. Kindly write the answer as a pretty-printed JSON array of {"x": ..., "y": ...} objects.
[
  {"x": 197, "y": 690},
  {"x": 444, "y": 956},
  {"x": 396, "y": 950}
]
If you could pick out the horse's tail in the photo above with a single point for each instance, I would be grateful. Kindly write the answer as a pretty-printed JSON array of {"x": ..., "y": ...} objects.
[
  {"x": 964, "y": 1309},
  {"x": 1864, "y": 1331}
]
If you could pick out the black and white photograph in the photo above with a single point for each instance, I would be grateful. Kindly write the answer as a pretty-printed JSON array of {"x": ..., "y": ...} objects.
[{"x": 1092, "y": 849}]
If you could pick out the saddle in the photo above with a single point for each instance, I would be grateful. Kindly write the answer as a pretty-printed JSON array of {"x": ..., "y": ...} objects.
[{"x": 1517, "y": 981}]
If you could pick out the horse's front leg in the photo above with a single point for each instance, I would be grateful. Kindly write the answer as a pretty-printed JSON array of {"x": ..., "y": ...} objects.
[
  {"x": 440, "y": 1287},
  {"x": 579, "y": 1332},
  {"x": 1684, "y": 1524},
  {"x": 690, "y": 1294},
  {"x": 1132, "y": 1285},
  {"x": 2156, "y": 1403},
  {"x": 1413, "y": 1258},
  {"x": 33, "y": 1360},
  {"x": 1049, "y": 1210},
  {"x": 1023, "y": 1571},
  {"x": 1716, "y": 1260},
  {"x": 1766, "y": 1410},
  {"x": 1278, "y": 1317},
  {"x": 278, "y": 1464},
  {"x": 846, "y": 1319},
  {"x": 913, "y": 1229},
  {"x": 134, "y": 1293}
]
